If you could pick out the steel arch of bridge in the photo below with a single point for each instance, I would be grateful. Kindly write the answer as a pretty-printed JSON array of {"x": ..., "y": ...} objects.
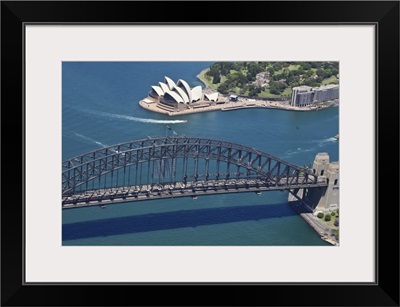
[{"x": 176, "y": 163}]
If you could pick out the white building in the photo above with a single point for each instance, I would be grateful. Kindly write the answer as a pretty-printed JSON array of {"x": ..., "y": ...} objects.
[
  {"x": 327, "y": 92},
  {"x": 179, "y": 92},
  {"x": 211, "y": 96},
  {"x": 306, "y": 95},
  {"x": 301, "y": 96}
]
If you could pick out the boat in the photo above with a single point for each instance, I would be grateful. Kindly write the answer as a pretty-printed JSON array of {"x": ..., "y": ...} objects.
[{"x": 337, "y": 136}]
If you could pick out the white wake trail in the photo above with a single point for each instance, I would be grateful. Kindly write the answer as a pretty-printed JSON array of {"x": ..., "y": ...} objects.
[
  {"x": 320, "y": 143},
  {"x": 137, "y": 119},
  {"x": 326, "y": 141},
  {"x": 91, "y": 140}
]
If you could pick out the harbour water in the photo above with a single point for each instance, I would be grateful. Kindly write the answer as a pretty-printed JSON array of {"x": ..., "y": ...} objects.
[{"x": 100, "y": 108}]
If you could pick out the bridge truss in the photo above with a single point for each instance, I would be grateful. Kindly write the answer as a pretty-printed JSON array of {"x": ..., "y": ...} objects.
[{"x": 174, "y": 167}]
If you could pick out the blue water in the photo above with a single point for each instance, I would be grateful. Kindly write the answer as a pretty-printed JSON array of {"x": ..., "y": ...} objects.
[{"x": 100, "y": 108}]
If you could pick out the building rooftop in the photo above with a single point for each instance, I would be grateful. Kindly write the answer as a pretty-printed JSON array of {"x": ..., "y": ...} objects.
[
  {"x": 303, "y": 88},
  {"x": 328, "y": 86}
]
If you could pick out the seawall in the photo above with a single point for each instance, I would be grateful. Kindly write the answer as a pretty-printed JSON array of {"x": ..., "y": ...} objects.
[
  {"x": 229, "y": 106},
  {"x": 319, "y": 226}
]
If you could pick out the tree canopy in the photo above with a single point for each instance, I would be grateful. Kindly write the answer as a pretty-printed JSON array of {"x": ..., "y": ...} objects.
[{"x": 255, "y": 78}]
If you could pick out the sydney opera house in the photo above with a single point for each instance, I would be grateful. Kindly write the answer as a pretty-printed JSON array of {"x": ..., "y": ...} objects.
[{"x": 171, "y": 96}]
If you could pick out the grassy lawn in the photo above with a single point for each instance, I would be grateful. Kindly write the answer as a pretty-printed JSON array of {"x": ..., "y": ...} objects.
[
  {"x": 330, "y": 80},
  {"x": 204, "y": 78},
  {"x": 290, "y": 67},
  {"x": 267, "y": 93},
  {"x": 287, "y": 92},
  {"x": 223, "y": 78},
  {"x": 293, "y": 67},
  {"x": 208, "y": 80},
  {"x": 239, "y": 91}
]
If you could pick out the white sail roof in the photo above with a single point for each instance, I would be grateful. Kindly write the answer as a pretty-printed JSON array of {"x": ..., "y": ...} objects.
[
  {"x": 196, "y": 93},
  {"x": 212, "y": 96},
  {"x": 171, "y": 84},
  {"x": 182, "y": 93},
  {"x": 174, "y": 95},
  {"x": 158, "y": 90},
  {"x": 163, "y": 86},
  {"x": 183, "y": 85}
]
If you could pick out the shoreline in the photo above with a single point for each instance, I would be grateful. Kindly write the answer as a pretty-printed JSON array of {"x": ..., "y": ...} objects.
[
  {"x": 315, "y": 223},
  {"x": 231, "y": 106},
  {"x": 198, "y": 76},
  {"x": 227, "y": 105}
]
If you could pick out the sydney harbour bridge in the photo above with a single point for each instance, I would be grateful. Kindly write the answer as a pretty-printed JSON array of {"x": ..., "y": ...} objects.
[{"x": 171, "y": 167}]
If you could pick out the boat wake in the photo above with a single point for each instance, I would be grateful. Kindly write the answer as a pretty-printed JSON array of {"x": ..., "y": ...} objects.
[
  {"x": 323, "y": 142},
  {"x": 91, "y": 140},
  {"x": 299, "y": 150},
  {"x": 319, "y": 143},
  {"x": 137, "y": 119}
]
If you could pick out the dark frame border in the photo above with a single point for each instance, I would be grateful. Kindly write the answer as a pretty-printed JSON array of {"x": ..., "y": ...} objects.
[{"x": 14, "y": 15}]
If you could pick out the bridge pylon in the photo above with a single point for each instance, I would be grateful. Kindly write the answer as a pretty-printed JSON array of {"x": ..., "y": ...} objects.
[{"x": 324, "y": 198}]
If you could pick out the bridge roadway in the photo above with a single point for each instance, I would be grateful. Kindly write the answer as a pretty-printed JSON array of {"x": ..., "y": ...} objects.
[{"x": 174, "y": 190}]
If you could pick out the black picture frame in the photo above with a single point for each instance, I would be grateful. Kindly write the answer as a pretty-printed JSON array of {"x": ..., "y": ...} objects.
[{"x": 15, "y": 292}]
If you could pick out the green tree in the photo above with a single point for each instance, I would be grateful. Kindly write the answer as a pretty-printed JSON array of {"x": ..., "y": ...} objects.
[
  {"x": 326, "y": 65},
  {"x": 277, "y": 88},
  {"x": 320, "y": 215},
  {"x": 336, "y": 222},
  {"x": 320, "y": 73},
  {"x": 277, "y": 66},
  {"x": 311, "y": 82},
  {"x": 271, "y": 70},
  {"x": 214, "y": 73},
  {"x": 223, "y": 88},
  {"x": 285, "y": 71},
  {"x": 226, "y": 68},
  {"x": 305, "y": 65},
  {"x": 254, "y": 69},
  {"x": 309, "y": 73},
  {"x": 299, "y": 71},
  {"x": 254, "y": 90},
  {"x": 290, "y": 80},
  {"x": 241, "y": 78},
  {"x": 327, "y": 217},
  {"x": 213, "y": 69},
  {"x": 328, "y": 73},
  {"x": 315, "y": 64},
  {"x": 216, "y": 79}
]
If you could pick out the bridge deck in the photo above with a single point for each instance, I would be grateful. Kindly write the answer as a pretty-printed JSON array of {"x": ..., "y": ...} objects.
[{"x": 179, "y": 189}]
